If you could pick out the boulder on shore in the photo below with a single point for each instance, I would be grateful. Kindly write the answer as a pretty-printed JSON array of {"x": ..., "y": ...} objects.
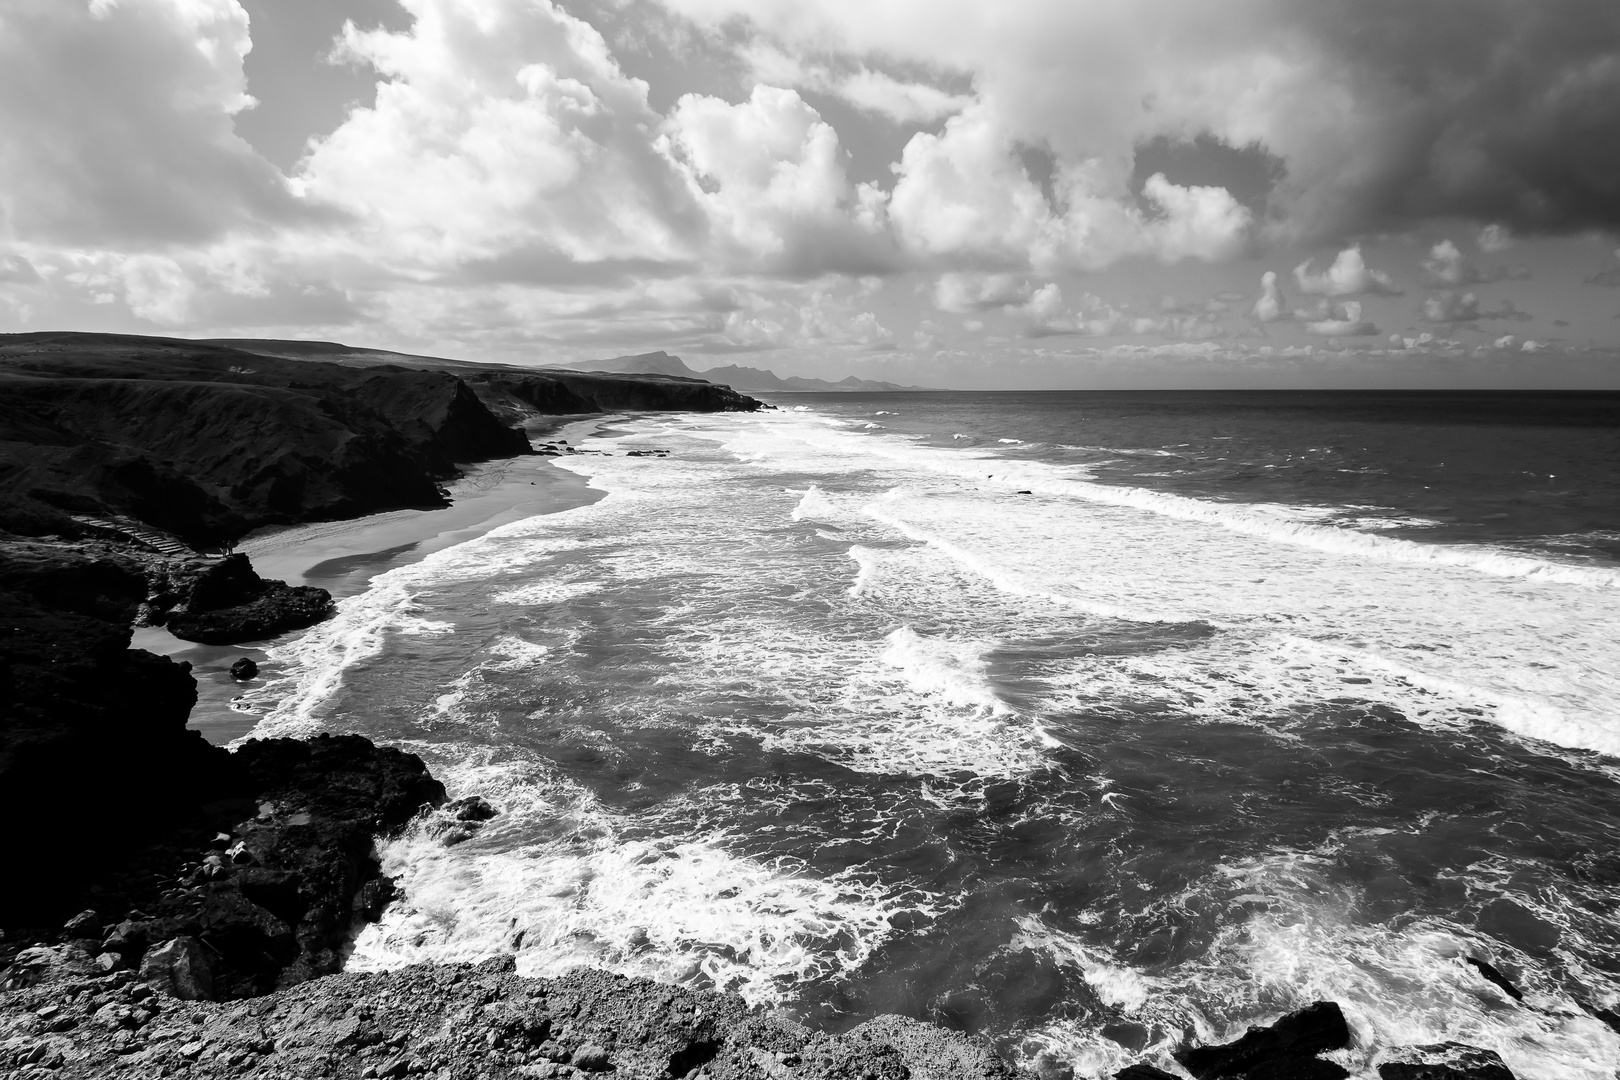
[{"x": 224, "y": 601}]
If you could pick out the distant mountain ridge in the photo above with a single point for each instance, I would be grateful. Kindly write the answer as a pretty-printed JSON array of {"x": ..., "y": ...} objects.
[{"x": 738, "y": 378}]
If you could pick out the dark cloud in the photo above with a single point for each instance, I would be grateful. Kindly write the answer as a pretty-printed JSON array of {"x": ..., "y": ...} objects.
[{"x": 1499, "y": 110}]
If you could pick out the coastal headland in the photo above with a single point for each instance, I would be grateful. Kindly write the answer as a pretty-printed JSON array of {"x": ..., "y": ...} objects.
[{"x": 184, "y": 909}]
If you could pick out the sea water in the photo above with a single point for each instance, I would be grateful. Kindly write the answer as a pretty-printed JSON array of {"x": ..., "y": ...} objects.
[{"x": 1091, "y": 722}]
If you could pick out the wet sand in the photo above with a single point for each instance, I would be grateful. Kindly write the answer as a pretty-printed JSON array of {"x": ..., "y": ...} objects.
[{"x": 343, "y": 556}]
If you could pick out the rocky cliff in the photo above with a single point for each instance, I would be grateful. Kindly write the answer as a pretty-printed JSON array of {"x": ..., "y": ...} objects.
[{"x": 208, "y": 442}]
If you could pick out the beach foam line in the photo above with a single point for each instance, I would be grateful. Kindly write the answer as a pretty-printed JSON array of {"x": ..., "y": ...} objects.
[
  {"x": 1271, "y": 522},
  {"x": 1010, "y": 583},
  {"x": 316, "y": 660}
]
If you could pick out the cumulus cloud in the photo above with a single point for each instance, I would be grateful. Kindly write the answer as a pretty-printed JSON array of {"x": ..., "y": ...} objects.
[
  {"x": 770, "y": 173},
  {"x": 1449, "y": 266},
  {"x": 115, "y": 125},
  {"x": 1495, "y": 238},
  {"x": 1342, "y": 320},
  {"x": 964, "y": 194},
  {"x": 1348, "y": 276},
  {"x": 1269, "y": 308},
  {"x": 1455, "y": 307},
  {"x": 1497, "y": 110},
  {"x": 963, "y": 293},
  {"x": 503, "y": 126}
]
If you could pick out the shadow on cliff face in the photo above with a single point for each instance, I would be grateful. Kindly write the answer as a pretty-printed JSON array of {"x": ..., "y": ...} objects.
[{"x": 258, "y": 862}]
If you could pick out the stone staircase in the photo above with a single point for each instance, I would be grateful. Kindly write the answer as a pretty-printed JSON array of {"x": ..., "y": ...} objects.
[{"x": 156, "y": 539}]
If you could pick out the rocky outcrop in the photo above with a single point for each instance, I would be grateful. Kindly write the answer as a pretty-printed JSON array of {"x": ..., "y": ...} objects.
[
  {"x": 223, "y": 601},
  {"x": 274, "y": 897},
  {"x": 95, "y": 757},
  {"x": 262, "y": 856},
  {"x": 1284, "y": 1051},
  {"x": 1444, "y": 1061},
  {"x": 455, "y": 1022}
]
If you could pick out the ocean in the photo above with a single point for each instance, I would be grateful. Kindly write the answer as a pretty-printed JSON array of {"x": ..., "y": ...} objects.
[{"x": 1093, "y": 722}]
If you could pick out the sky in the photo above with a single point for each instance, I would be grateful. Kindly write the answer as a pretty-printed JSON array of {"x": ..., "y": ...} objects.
[{"x": 952, "y": 193}]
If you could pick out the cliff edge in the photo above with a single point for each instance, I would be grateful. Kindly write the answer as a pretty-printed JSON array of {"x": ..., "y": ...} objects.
[{"x": 208, "y": 441}]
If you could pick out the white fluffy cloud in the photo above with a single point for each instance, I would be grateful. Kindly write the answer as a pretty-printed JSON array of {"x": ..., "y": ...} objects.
[
  {"x": 770, "y": 173},
  {"x": 1349, "y": 275},
  {"x": 963, "y": 293},
  {"x": 115, "y": 125},
  {"x": 1269, "y": 308},
  {"x": 964, "y": 194},
  {"x": 1447, "y": 264},
  {"x": 1341, "y": 320},
  {"x": 505, "y": 130}
]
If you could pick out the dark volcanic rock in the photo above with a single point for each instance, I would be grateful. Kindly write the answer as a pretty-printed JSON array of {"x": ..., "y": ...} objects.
[
  {"x": 244, "y": 669},
  {"x": 282, "y": 608},
  {"x": 1495, "y": 978},
  {"x": 1143, "y": 1072},
  {"x": 1445, "y": 1061},
  {"x": 97, "y": 732},
  {"x": 89, "y": 727},
  {"x": 1277, "y": 1049},
  {"x": 223, "y": 601},
  {"x": 279, "y": 904}
]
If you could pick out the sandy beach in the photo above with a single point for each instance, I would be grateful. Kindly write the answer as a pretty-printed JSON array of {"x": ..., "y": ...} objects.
[{"x": 343, "y": 557}]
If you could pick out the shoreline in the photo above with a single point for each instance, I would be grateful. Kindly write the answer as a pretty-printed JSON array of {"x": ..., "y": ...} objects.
[{"x": 344, "y": 556}]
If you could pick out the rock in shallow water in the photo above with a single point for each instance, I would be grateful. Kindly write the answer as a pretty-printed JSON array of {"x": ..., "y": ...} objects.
[
  {"x": 1285, "y": 1050},
  {"x": 244, "y": 669},
  {"x": 1445, "y": 1061}
]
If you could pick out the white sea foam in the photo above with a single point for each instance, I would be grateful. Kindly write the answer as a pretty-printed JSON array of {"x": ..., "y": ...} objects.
[
  {"x": 556, "y": 881},
  {"x": 951, "y": 670},
  {"x": 315, "y": 662},
  {"x": 815, "y": 505},
  {"x": 538, "y": 593},
  {"x": 866, "y": 562},
  {"x": 1270, "y": 522}
]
